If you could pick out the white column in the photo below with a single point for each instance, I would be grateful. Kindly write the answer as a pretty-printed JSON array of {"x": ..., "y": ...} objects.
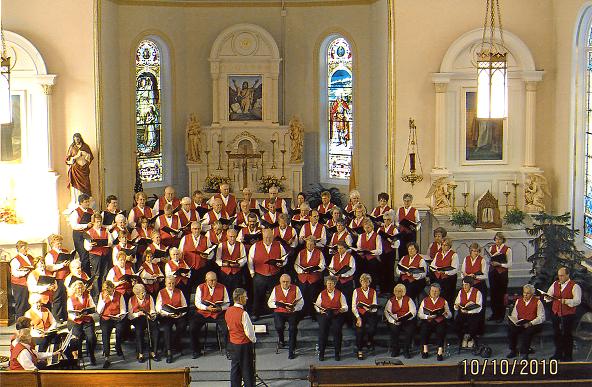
[
  {"x": 47, "y": 91},
  {"x": 215, "y": 73},
  {"x": 530, "y": 124},
  {"x": 440, "y": 127}
]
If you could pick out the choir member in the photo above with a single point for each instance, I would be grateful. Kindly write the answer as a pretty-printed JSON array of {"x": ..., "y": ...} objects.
[
  {"x": 177, "y": 268},
  {"x": 436, "y": 246},
  {"x": 42, "y": 321},
  {"x": 197, "y": 200},
  {"x": 80, "y": 320},
  {"x": 229, "y": 203},
  {"x": 45, "y": 290},
  {"x": 341, "y": 235},
  {"x": 150, "y": 273},
  {"x": 269, "y": 218},
  {"x": 369, "y": 247},
  {"x": 336, "y": 215},
  {"x": 187, "y": 214},
  {"x": 265, "y": 260},
  {"x": 475, "y": 266},
  {"x": 279, "y": 203},
  {"x": 174, "y": 298},
  {"x": 216, "y": 234},
  {"x": 252, "y": 203},
  {"x": 468, "y": 303},
  {"x": 382, "y": 207},
  {"x": 498, "y": 276},
  {"x": 433, "y": 312},
  {"x": 23, "y": 355},
  {"x": 354, "y": 200},
  {"x": 168, "y": 198},
  {"x": 326, "y": 206},
  {"x": 241, "y": 337},
  {"x": 390, "y": 242},
  {"x": 112, "y": 312},
  {"x": 247, "y": 233},
  {"x": 119, "y": 226},
  {"x": 331, "y": 306},
  {"x": 170, "y": 238},
  {"x": 309, "y": 265},
  {"x": 111, "y": 210},
  {"x": 285, "y": 231},
  {"x": 359, "y": 215},
  {"x": 365, "y": 310},
  {"x": 243, "y": 214},
  {"x": 300, "y": 200},
  {"x": 410, "y": 213},
  {"x": 143, "y": 239},
  {"x": 157, "y": 248},
  {"x": 286, "y": 301},
  {"x": 140, "y": 210},
  {"x": 98, "y": 246},
  {"x": 566, "y": 295},
  {"x": 216, "y": 213},
  {"x": 142, "y": 315},
  {"x": 123, "y": 285},
  {"x": 525, "y": 321},
  {"x": 123, "y": 244},
  {"x": 193, "y": 247},
  {"x": 231, "y": 257},
  {"x": 20, "y": 267},
  {"x": 343, "y": 267},
  {"x": 80, "y": 221},
  {"x": 400, "y": 312},
  {"x": 314, "y": 228},
  {"x": 303, "y": 215},
  {"x": 211, "y": 302},
  {"x": 76, "y": 274},
  {"x": 444, "y": 268},
  {"x": 60, "y": 271},
  {"x": 414, "y": 280}
]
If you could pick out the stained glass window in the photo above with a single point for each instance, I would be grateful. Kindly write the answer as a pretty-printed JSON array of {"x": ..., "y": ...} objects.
[
  {"x": 148, "y": 112},
  {"x": 588, "y": 160},
  {"x": 340, "y": 108}
]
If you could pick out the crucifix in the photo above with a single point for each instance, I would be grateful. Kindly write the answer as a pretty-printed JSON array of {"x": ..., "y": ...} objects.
[{"x": 245, "y": 153}]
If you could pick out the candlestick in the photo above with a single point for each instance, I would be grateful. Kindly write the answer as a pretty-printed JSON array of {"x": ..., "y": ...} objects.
[
  {"x": 453, "y": 186},
  {"x": 515, "y": 184},
  {"x": 219, "y": 155},
  {"x": 207, "y": 152},
  {"x": 273, "y": 154},
  {"x": 506, "y": 187},
  {"x": 506, "y": 194},
  {"x": 283, "y": 163},
  {"x": 465, "y": 195},
  {"x": 228, "y": 158},
  {"x": 285, "y": 134},
  {"x": 262, "y": 174}
]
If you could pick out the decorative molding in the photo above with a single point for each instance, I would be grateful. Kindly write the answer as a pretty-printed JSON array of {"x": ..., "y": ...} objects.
[
  {"x": 242, "y": 3},
  {"x": 245, "y": 136},
  {"x": 47, "y": 89},
  {"x": 440, "y": 87}
]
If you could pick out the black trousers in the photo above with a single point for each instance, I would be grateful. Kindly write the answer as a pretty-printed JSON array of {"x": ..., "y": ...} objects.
[
  {"x": 232, "y": 281},
  {"x": 499, "y": 287},
  {"x": 387, "y": 269},
  {"x": 21, "y": 299},
  {"x": 406, "y": 237},
  {"x": 99, "y": 266},
  {"x": 331, "y": 322},
  {"x": 310, "y": 292},
  {"x": 262, "y": 286},
  {"x": 448, "y": 286},
  {"x": 428, "y": 327},
  {"x": 167, "y": 324},
  {"x": 141, "y": 326},
  {"x": 372, "y": 267},
  {"x": 242, "y": 364},
  {"x": 85, "y": 331},
  {"x": 279, "y": 322},
  {"x": 414, "y": 288},
  {"x": 198, "y": 276},
  {"x": 58, "y": 305},
  {"x": 45, "y": 341},
  {"x": 563, "y": 335},
  {"x": 514, "y": 332},
  {"x": 482, "y": 287},
  {"x": 198, "y": 321},
  {"x": 406, "y": 328},
  {"x": 467, "y": 323},
  {"x": 367, "y": 330},
  {"x": 106, "y": 329},
  {"x": 77, "y": 237}
]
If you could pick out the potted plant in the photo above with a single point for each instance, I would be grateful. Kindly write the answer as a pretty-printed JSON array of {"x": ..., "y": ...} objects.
[
  {"x": 514, "y": 219},
  {"x": 212, "y": 183},
  {"x": 313, "y": 195},
  {"x": 464, "y": 220},
  {"x": 269, "y": 181}
]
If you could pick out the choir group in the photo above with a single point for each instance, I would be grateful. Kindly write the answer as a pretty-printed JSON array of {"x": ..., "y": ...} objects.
[{"x": 328, "y": 263}]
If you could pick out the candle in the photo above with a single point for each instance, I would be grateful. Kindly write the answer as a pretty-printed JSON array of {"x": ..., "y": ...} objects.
[
  {"x": 515, "y": 180},
  {"x": 506, "y": 187}
]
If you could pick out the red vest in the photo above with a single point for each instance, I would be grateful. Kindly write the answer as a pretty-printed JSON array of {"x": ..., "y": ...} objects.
[
  {"x": 338, "y": 264},
  {"x": 15, "y": 352},
  {"x": 60, "y": 273},
  {"x": 410, "y": 216},
  {"x": 187, "y": 219},
  {"x": 362, "y": 298},
  {"x": 191, "y": 252},
  {"x": 493, "y": 250},
  {"x": 218, "y": 295},
  {"x": 269, "y": 219},
  {"x": 234, "y": 320},
  {"x": 315, "y": 260},
  {"x": 101, "y": 234},
  {"x": 227, "y": 256},
  {"x": 472, "y": 268},
  {"x": 241, "y": 219},
  {"x": 81, "y": 305},
  {"x": 174, "y": 301},
  {"x": 472, "y": 296},
  {"x": 46, "y": 296},
  {"x": 328, "y": 303},
  {"x": 137, "y": 305},
  {"x": 124, "y": 287},
  {"x": 214, "y": 238},
  {"x": 317, "y": 233},
  {"x": 212, "y": 217},
  {"x": 81, "y": 213},
  {"x": 336, "y": 237},
  {"x": 153, "y": 270},
  {"x": 289, "y": 233},
  {"x": 439, "y": 304},
  {"x": 368, "y": 243},
  {"x": 278, "y": 204},
  {"x": 174, "y": 267},
  {"x": 567, "y": 293},
  {"x": 434, "y": 249},
  {"x": 322, "y": 209},
  {"x": 174, "y": 223},
  {"x": 22, "y": 281},
  {"x": 288, "y": 299},
  {"x": 162, "y": 202},
  {"x": 527, "y": 312},
  {"x": 230, "y": 207},
  {"x": 356, "y": 222},
  {"x": 377, "y": 211},
  {"x": 410, "y": 263},
  {"x": 112, "y": 306},
  {"x": 261, "y": 255},
  {"x": 443, "y": 260},
  {"x": 402, "y": 310},
  {"x": 391, "y": 230},
  {"x": 42, "y": 322},
  {"x": 147, "y": 212}
]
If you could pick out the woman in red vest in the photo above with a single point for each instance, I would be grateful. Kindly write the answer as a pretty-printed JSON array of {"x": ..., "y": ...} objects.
[
  {"x": 123, "y": 285},
  {"x": 444, "y": 270},
  {"x": 20, "y": 267},
  {"x": 139, "y": 211},
  {"x": 309, "y": 265},
  {"x": 142, "y": 315},
  {"x": 400, "y": 312},
  {"x": 433, "y": 312},
  {"x": 369, "y": 248},
  {"x": 469, "y": 303},
  {"x": 475, "y": 266},
  {"x": 390, "y": 242},
  {"x": 408, "y": 270},
  {"x": 498, "y": 276},
  {"x": 331, "y": 306},
  {"x": 410, "y": 213},
  {"x": 178, "y": 268},
  {"x": 112, "y": 311},
  {"x": 525, "y": 321},
  {"x": 37, "y": 286},
  {"x": 23, "y": 356},
  {"x": 80, "y": 309},
  {"x": 60, "y": 271},
  {"x": 365, "y": 309},
  {"x": 42, "y": 321},
  {"x": 99, "y": 248},
  {"x": 436, "y": 246},
  {"x": 343, "y": 267},
  {"x": 150, "y": 273}
]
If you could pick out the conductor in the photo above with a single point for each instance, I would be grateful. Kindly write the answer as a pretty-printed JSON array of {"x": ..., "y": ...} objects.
[{"x": 241, "y": 337}]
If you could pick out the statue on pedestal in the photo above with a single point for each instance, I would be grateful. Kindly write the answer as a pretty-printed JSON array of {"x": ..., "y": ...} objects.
[
  {"x": 441, "y": 195},
  {"x": 297, "y": 139},
  {"x": 78, "y": 159},
  {"x": 535, "y": 190},
  {"x": 193, "y": 145}
]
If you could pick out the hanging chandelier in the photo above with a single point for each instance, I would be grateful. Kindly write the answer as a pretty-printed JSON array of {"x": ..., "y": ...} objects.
[
  {"x": 491, "y": 59},
  {"x": 412, "y": 171},
  {"x": 5, "y": 101}
]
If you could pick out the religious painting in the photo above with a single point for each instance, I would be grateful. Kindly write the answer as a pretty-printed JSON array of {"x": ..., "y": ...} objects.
[
  {"x": 245, "y": 98},
  {"x": 340, "y": 108},
  {"x": 10, "y": 134},
  {"x": 484, "y": 137}
]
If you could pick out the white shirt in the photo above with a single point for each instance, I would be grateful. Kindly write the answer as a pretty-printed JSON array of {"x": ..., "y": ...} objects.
[
  {"x": 422, "y": 264},
  {"x": 71, "y": 309},
  {"x": 25, "y": 359},
  {"x": 299, "y": 300},
  {"x": 49, "y": 265},
  {"x": 478, "y": 301},
  {"x": 15, "y": 266},
  {"x": 453, "y": 264},
  {"x": 111, "y": 274},
  {"x": 250, "y": 262},
  {"x": 576, "y": 292},
  {"x": 378, "y": 250},
  {"x": 540, "y": 318},
  {"x": 323, "y": 238},
  {"x": 73, "y": 220},
  {"x": 508, "y": 263},
  {"x": 482, "y": 276},
  {"x": 199, "y": 305},
  {"x": 355, "y": 301},
  {"x": 389, "y": 306},
  {"x": 102, "y": 301},
  {"x": 351, "y": 264},
  {"x": 423, "y": 316},
  {"x": 132, "y": 315},
  {"x": 406, "y": 210},
  {"x": 242, "y": 255},
  {"x": 298, "y": 263},
  {"x": 158, "y": 305},
  {"x": 294, "y": 241},
  {"x": 342, "y": 301},
  {"x": 88, "y": 243}
]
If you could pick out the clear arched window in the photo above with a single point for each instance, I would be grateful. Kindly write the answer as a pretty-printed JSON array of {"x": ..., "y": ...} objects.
[
  {"x": 340, "y": 108},
  {"x": 148, "y": 112}
]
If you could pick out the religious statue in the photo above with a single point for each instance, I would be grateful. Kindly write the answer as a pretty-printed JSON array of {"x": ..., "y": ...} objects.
[
  {"x": 535, "y": 189},
  {"x": 78, "y": 159},
  {"x": 441, "y": 195},
  {"x": 193, "y": 144},
  {"x": 297, "y": 139}
]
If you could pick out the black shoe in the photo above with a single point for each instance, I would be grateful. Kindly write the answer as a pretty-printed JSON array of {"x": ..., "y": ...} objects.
[
  {"x": 119, "y": 351},
  {"x": 407, "y": 355},
  {"x": 424, "y": 355},
  {"x": 337, "y": 357},
  {"x": 360, "y": 355},
  {"x": 291, "y": 355},
  {"x": 321, "y": 357},
  {"x": 440, "y": 357},
  {"x": 395, "y": 353},
  {"x": 155, "y": 357},
  {"x": 281, "y": 344},
  {"x": 106, "y": 364},
  {"x": 93, "y": 360},
  {"x": 141, "y": 358},
  {"x": 511, "y": 355}
]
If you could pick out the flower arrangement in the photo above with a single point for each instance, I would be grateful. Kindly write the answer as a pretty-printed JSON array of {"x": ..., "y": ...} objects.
[
  {"x": 212, "y": 183},
  {"x": 8, "y": 215},
  {"x": 269, "y": 181}
]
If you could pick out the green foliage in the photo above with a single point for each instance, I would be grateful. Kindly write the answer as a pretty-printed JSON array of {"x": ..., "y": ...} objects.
[
  {"x": 514, "y": 216},
  {"x": 463, "y": 218},
  {"x": 212, "y": 183},
  {"x": 313, "y": 195}
]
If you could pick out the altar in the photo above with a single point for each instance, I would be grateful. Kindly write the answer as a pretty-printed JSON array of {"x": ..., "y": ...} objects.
[{"x": 245, "y": 146}]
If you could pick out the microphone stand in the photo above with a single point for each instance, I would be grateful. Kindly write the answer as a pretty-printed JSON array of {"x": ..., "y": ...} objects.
[
  {"x": 149, "y": 342},
  {"x": 258, "y": 380}
]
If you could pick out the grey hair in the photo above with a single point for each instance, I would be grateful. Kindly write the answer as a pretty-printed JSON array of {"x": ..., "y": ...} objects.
[
  {"x": 238, "y": 293},
  {"x": 529, "y": 287},
  {"x": 365, "y": 276}
]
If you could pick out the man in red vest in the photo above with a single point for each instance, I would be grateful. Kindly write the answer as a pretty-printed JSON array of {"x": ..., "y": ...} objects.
[
  {"x": 168, "y": 198},
  {"x": 286, "y": 301},
  {"x": 99, "y": 250},
  {"x": 525, "y": 320},
  {"x": 241, "y": 337},
  {"x": 171, "y": 297},
  {"x": 211, "y": 302},
  {"x": 80, "y": 221},
  {"x": 566, "y": 295},
  {"x": 229, "y": 203},
  {"x": 20, "y": 267}
]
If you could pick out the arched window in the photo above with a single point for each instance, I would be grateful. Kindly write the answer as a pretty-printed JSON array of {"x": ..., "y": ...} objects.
[
  {"x": 338, "y": 105},
  {"x": 149, "y": 136},
  {"x": 588, "y": 143}
]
